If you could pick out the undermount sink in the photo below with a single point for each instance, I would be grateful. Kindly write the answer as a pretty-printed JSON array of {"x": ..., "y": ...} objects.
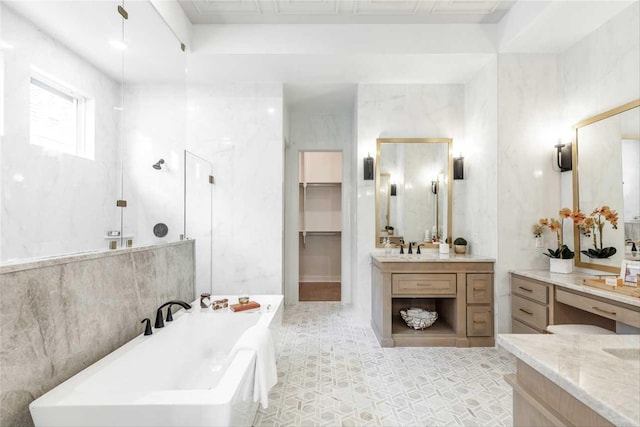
[{"x": 624, "y": 353}]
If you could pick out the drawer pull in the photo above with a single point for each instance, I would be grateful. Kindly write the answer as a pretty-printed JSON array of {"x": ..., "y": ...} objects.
[
  {"x": 525, "y": 289},
  {"x": 479, "y": 321},
  {"x": 526, "y": 312},
  {"x": 424, "y": 284},
  {"x": 612, "y": 313}
]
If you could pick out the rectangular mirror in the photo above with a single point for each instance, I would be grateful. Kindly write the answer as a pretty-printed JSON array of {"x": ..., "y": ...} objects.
[
  {"x": 414, "y": 179},
  {"x": 605, "y": 173}
]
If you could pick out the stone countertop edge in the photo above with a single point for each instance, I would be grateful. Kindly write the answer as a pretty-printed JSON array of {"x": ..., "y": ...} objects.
[
  {"x": 574, "y": 281},
  {"x": 601, "y": 398},
  {"x": 382, "y": 257},
  {"x": 83, "y": 256}
]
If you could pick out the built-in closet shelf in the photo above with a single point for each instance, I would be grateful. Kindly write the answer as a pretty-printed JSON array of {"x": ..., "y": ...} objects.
[
  {"x": 320, "y": 226},
  {"x": 321, "y": 184}
]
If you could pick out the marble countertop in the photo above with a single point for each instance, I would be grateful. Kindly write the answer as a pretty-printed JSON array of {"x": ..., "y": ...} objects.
[
  {"x": 581, "y": 365},
  {"x": 574, "y": 281},
  {"x": 429, "y": 257}
]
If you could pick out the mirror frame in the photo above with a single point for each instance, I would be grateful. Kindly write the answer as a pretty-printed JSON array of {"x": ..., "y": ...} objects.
[
  {"x": 576, "y": 192},
  {"x": 449, "y": 142}
]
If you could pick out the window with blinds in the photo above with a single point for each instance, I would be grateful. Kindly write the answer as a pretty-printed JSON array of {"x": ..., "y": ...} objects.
[{"x": 57, "y": 117}]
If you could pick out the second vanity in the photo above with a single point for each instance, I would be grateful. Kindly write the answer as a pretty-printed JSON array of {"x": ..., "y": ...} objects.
[
  {"x": 540, "y": 298},
  {"x": 458, "y": 287}
]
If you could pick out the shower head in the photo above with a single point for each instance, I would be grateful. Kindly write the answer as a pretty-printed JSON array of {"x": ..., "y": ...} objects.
[{"x": 158, "y": 165}]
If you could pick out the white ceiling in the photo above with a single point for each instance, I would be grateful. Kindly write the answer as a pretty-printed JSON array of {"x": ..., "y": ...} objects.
[{"x": 345, "y": 11}]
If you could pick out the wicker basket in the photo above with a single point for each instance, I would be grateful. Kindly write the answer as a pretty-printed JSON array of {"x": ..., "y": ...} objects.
[{"x": 418, "y": 318}]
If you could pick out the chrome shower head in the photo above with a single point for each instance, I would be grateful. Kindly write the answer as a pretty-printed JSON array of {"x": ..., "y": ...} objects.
[{"x": 158, "y": 165}]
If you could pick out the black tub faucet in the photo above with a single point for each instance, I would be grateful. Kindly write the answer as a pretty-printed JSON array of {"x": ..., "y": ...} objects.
[
  {"x": 159, "y": 321},
  {"x": 147, "y": 328}
]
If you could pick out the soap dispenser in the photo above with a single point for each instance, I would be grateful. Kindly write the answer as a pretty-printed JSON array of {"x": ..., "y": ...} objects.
[{"x": 387, "y": 246}]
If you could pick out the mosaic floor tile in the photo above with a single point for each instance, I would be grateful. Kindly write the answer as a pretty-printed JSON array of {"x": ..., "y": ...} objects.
[{"x": 332, "y": 372}]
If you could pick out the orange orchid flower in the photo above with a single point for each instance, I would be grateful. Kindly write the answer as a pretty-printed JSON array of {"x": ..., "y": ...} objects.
[{"x": 565, "y": 213}]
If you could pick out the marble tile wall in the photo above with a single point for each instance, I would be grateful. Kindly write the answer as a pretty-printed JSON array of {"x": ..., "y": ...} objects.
[
  {"x": 529, "y": 106},
  {"x": 238, "y": 128},
  {"x": 401, "y": 111},
  {"x": 318, "y": 131},
  {"x": 476, "y": 218},
  {"x": 154, "y": 127},
  {"x": 61, "y": 315},
  {"x": 36, "y": 182}
]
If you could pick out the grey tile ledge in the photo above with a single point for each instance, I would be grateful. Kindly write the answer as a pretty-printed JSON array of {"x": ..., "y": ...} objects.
[
  {"x": 574, "y": 281},
  {"x": 579, "y": 365},
  {"x": 71, "y": 258}
]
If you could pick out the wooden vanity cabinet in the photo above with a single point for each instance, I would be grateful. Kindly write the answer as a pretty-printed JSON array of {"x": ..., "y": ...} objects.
[
  {"x": 460, "y": 292},
  {"x": 536, "y": 304}
]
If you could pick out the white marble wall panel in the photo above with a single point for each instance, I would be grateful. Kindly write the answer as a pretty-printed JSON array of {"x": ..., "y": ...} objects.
[
  {"x": 316, "y": 131},
  {"x": 76, "y": 195},
  {"x": 529, "y": 105},
  {"x": 396, "y": 111},
  {"x": 154, "y": 128},
  {"x": 476, "y": 218},
  {"x": 600, "y": 72},
  {"x": 62, "y": 315},
  {"x": 238, "y": 128}
]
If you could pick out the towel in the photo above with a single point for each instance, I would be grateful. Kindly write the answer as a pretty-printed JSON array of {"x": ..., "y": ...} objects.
[{"x": 258, "y": 338}]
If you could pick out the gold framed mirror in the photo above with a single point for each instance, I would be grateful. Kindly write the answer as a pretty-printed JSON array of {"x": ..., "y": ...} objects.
[
  {"x": 420, "y": 173},
  {"x": 605, "y": 154}
]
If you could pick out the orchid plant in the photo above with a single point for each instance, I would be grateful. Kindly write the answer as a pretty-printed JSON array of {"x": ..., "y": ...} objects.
[
  {"x": 594, "y": 225},
  {"x": 556, "y": 226}
]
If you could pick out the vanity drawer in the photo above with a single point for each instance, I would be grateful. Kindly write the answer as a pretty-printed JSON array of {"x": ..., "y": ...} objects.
[
  {"x": 479, "y": 321},
  {"x": 520, "y": 328},
  {"x": 423, "y": 284},
  {"x": 479, "y": 288},
  {"x": 595, "y": 306},
  {"x": 530, "y": 289},
  {"x": 529, "y": 312}
]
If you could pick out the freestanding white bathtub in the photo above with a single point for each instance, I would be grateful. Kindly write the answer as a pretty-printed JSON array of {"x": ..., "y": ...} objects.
[{"x": 181, "y": 375}]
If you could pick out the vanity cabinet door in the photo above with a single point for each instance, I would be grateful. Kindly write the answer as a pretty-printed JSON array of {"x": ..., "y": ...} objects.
[
  {"x": 479, "y": 321},
  {"x": 479, "y": 288}
]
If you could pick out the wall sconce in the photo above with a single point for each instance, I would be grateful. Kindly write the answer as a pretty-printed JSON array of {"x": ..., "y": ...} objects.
[
  {"x": 458, "y": 167},
  {"x": 563, "y": 156},
  {"x": 368, "y": 168},
  {"x": 393, "y": 189}
]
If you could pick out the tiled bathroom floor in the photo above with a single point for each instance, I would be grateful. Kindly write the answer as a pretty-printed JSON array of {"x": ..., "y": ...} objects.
[{"x": 332, "y": 372}]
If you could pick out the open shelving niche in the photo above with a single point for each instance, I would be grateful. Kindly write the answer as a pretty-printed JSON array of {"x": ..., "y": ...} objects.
[{"x": 444, "y": 326}]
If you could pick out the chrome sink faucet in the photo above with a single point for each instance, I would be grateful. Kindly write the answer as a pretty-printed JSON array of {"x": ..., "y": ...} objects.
[{"x": 159, "y": 322}]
